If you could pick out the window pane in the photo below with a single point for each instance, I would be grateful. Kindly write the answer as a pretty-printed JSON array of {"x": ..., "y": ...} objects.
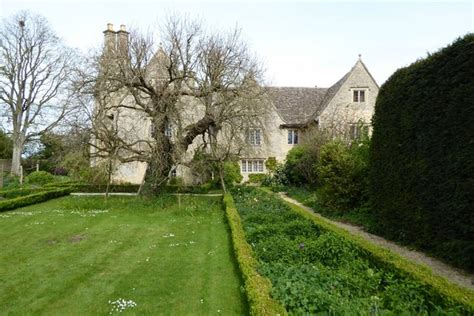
[
  {"x": 356, "y": 96},
  {"x": 249, "y": 165},
  {"x": 295, "y": 137},
  {"x": 290, "y": 137},
  {"x": 362, "y": 96},
  {"x": 255, "y": 166},
  {"x": 244, "y": 166},
  {"x": 260, "y": 165},
  {"x": 257, "y": 137}
]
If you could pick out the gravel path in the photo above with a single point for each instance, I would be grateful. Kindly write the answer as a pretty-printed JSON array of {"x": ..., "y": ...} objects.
[{"x": 454, "y": 275}]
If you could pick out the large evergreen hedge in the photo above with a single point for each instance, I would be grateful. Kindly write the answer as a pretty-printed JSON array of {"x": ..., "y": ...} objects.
[{"x": 422, "y": 154}]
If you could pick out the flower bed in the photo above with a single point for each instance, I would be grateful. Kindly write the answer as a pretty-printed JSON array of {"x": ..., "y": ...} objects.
[{"x": 314, "y": 268}]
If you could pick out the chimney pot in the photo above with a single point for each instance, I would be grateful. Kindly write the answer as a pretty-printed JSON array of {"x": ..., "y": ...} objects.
[
  {"x": 122, "y": 28},
  {"x": 110, "y": 27}
]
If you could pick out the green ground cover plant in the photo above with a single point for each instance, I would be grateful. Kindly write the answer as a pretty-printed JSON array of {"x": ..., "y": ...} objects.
[
  {"x": 90, "y": 256},
  {"x": 315, "y": 269}
]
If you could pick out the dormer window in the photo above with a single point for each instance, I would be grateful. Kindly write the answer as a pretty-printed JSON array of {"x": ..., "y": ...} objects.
[{"x": 358, "y": 96}]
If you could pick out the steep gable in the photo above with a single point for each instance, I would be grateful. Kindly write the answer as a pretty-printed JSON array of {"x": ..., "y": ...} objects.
[{"x": 339, "y": 104}]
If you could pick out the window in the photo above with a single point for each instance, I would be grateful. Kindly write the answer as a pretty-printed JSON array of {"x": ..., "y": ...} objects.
[
  {"x": 168, "y": 130},
  {"x": 358, "y": 96},
  {"x": 292, "y": 136},
  {"x": 251, "y": 165},
  {"x": 173, "y": 173},
  {"x": 255, "y": 137},
  {"x": 356, "y": 131}
]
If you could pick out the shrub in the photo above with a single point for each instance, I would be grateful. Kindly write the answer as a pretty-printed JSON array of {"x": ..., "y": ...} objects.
[
  {"x": 271, "y": 164},
  {"x": 257, "y": 178},
  {"x": 343, "y": 174},
  {"x": 277, "y": 180},
  {"x": 421, "y": 157},
  {"x": 32, "y": 199},
  {"x": 232, "y": 173},
  {"x": 296, "y": 164},
  {"x": 179, "y": 181},
  {"x": 39, "y": 178}
]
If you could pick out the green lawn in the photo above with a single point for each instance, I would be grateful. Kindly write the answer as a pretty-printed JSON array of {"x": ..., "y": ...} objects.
[{"x": 78, "y": 255}]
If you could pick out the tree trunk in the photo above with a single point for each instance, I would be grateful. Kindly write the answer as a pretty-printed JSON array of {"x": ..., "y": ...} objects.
[
  {"x": 16, "y": 157},
  {"x": 221, "y": 176}
]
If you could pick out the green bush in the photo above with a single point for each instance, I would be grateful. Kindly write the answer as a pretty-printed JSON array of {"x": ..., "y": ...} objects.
[
  {"x": 277, "y": 180},
  {"x": 232, "y": 173},
  {"x": 316, "y": 268},
  {"x": 39, "y": 178},
  {"x": 32, "y": 199},
  {"x": 296, "y": 165},
  {"x": 257, "y": 178},
  {"x": 176, "y": 181},
  {"x": 422, "y": 166},
  {"x": 11, "y": 182},
  {"x": 343, "y": 175}
]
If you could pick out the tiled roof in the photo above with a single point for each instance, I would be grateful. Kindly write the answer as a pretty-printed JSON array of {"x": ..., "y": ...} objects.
[{"x": 296, "y": 105}]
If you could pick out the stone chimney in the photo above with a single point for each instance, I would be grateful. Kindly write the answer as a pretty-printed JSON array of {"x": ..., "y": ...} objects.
[
  {"x": 110, "y": 39},
  {"x": 122, "y": 40}
]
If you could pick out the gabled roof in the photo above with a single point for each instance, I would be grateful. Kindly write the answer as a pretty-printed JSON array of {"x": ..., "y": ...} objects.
[{"x": 296, "y": 105}]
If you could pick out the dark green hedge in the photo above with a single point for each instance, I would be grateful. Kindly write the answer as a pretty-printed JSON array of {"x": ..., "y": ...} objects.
[
  {"x": 32, "y": 199},
  {"x": 100, "y": 188},
  {"x": 422, "y": 154}
]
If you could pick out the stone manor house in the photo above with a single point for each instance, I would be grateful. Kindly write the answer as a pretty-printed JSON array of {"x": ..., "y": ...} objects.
[{"x": 347, "y": 105}]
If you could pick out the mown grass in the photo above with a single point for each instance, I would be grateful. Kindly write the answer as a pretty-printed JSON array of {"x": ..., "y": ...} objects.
[{"x": 73, "y": 255}]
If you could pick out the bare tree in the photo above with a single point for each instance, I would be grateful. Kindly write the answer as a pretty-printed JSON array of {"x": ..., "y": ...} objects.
[
  {"x": 194, "y": 83},
  {"x": 34, "y": 69}
]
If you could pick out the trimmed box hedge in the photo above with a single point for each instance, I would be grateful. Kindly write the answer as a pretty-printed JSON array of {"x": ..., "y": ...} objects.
[
  {"x": 14, "y": 193},
  {"x": 257, "y": 287},
  {"x": 32, "y": 199}
]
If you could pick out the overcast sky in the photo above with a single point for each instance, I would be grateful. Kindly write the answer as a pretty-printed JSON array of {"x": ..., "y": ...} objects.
[{"x": 302, "y": 43}]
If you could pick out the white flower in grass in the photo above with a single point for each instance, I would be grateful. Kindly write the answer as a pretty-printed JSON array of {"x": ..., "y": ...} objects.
[{"x": 121, "y": 305}]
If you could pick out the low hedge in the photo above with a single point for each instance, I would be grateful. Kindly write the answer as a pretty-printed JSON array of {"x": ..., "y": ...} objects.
[
  {"x": 196, "y": 189},
  {"x": 13, "y": 193},
  {"x": 62, "y": 184},
  {"x": 449, "y": 292},
  {"x": 257, "y": 287},
  {"x": 32, "y": 199},
  {"x": 99, "y": 188}
]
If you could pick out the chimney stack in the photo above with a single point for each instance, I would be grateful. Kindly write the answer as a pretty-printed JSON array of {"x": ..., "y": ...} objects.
[
  {"x": 122, "y": 39},
  {"x": 110, "y": 39}
]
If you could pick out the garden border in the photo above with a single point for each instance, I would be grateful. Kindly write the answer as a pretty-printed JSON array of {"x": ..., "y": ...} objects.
[{"x": 421, "y": 273}]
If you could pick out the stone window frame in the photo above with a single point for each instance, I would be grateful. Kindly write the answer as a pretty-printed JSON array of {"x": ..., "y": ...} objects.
[
  {"x": 254, "y": 136},
  {"x": 356, "y": 94},
  {"x": 293, "y": 136},
  {"x": 252, "y": 165}
]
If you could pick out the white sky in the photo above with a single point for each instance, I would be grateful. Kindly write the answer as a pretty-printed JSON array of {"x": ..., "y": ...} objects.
[{"x": 302, "y": 43}]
